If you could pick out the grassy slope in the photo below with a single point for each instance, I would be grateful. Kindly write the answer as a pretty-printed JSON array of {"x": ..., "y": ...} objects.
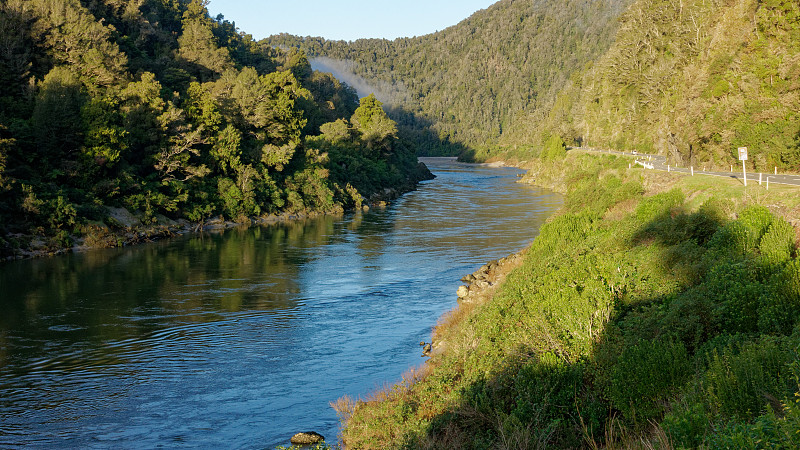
[{"x": 644, "y": 314}]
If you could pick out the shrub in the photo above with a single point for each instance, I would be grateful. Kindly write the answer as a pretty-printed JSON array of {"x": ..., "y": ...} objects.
[
  {"x": 564, "y": 229},
  {"x": 732, "y": 286},
  {"x": 779, "y": 306},
  {"x": 589, "y": 195},
  {"x": 658, "y": 205},
  {"x": 62, "y": 213},
  {"x": 770, "y": 430},
  {"x": 554, "y": 149},
  {"x": 687, "y": 424},
  {"x": 743, "y": 235},
  {"x": 742, "y": 378},
  {"x": 644, "y": 376},
  {"x": 702, "y": 225},
  {"x": 777, "y": 244}
]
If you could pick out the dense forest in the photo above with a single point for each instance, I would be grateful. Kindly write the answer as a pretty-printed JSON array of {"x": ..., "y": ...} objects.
[
  {"x": 154, "y": 106},
  {"x": 466, "y": 86},
  {"x": 692, "y": 79}
]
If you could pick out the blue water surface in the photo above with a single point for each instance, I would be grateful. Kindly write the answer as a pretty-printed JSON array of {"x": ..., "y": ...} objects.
[{"x": 241, "y": 338}]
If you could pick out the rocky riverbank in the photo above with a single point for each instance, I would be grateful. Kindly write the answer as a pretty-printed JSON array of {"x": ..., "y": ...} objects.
[
  {"x": 479, "y": 288},
  {"x": 124, "y": 228}
]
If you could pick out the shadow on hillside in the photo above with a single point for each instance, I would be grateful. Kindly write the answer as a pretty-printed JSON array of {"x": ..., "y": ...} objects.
[
  {"x": 419, "y": 130},
  {"x": 703, "y": 303}
]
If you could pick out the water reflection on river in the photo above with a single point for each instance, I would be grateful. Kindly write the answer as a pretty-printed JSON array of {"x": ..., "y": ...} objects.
[{"x": 241, "y": 338}]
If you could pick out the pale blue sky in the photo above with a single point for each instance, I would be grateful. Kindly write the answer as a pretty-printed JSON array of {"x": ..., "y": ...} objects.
[{"x": 345, "y": 19}]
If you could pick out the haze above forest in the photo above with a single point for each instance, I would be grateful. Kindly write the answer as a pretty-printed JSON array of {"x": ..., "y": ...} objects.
[{"x": 692, "y": 80}]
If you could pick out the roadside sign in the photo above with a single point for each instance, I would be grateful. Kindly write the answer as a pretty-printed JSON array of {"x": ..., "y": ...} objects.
[
  {"x": 743, "y": 158},
  {"x": 742, "y": 153}
]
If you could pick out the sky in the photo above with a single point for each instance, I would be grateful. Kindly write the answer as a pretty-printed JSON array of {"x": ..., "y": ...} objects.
[{"x": 345, "y": 19}]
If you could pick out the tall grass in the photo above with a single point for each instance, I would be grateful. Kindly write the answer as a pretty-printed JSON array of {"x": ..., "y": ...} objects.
[{"x": 635, "y": 321}]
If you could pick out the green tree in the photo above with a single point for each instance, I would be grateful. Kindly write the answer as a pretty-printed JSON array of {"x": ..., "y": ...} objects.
[
  {"x": 56, "y": 120},
  {"x": 174, "y": 161},
  {"x": 16, "y": 52},
  {"x": 338, "y": 132},
  {"x": 6, "y": 144},
  {"x": 554, "y": 149},
  {"x": 197, "y": 45},
  {"x": 227, "y": 150},
  {"x": 75, "y": 38},
  {"x": 265, "y": 109},
  {"x": 377, "y": 129},
  {"x": 141, "y": 105}
]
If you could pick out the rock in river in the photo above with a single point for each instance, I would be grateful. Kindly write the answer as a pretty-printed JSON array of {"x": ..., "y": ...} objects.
[{"x": 307, "y": 438}]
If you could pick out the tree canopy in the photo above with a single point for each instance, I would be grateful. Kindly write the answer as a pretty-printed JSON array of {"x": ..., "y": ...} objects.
[
  {"x": 692, "y": 80},
  {"x": 156, "y": 107}
]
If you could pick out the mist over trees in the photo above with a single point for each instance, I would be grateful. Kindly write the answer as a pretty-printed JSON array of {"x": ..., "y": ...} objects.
[
  {"x": 471, "y": 83},
  {"x": 692, "y": 80},
  {"x": 154, "y": 106}
]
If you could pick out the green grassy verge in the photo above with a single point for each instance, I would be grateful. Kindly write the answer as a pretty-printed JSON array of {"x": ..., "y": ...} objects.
[{"x": 653, "y": 311}]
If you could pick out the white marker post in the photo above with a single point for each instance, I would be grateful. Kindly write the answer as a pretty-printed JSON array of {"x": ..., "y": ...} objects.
[
  {"x": 743, "y": 158},
  {"x": 692, "y": 170},
  {"x": 759, "y": 178}
]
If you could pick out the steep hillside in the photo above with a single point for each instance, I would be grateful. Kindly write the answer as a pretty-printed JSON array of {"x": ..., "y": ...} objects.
[
  {"x": 154, "y": 106},
  {"x": 469, "y": 83},
  {"x": 693, "y": 80}
]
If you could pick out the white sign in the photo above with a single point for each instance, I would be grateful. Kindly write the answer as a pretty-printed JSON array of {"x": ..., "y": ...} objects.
[{"x": 742, "y": 153}]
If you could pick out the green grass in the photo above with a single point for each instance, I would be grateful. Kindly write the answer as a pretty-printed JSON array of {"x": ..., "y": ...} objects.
[{"x": 653, "y": 310}]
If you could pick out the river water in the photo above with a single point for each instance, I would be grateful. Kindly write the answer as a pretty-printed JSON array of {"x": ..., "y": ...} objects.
[{"x": 239, "y": 339}]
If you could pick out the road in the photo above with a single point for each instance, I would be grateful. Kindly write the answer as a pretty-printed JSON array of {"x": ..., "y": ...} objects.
[{"x": 659, "y": 162}]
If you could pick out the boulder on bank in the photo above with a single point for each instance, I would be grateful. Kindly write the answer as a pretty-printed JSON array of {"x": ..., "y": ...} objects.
[
  {"x": 123, "y": 217},
  {"x": 307, "y": 438},
  {"x": 426, "y": 350},
  {"x": 462, "y": 291}
]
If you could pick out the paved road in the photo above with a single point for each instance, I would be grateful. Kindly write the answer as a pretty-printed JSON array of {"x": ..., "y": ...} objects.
[{"x": 659, "y": 162}]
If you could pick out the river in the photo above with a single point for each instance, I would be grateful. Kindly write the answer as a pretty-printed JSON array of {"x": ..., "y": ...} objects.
[{"x": 240, "y": 338}]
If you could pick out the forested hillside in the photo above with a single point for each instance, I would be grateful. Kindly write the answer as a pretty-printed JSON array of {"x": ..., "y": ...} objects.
[
  {"x": 469, "y": 84},
  {"x": 696, "y": 79},
  {"x": 154, "y": 106},
  {"x": 693, "y": 79}
]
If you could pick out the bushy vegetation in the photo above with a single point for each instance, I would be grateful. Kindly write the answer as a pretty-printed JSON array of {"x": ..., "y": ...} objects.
[
  {"x": 463, "y": 88},
  {"x": 692, "y": 80},
  {"x": 158, "y": 108},
  {"x": 664, "y": 320}
]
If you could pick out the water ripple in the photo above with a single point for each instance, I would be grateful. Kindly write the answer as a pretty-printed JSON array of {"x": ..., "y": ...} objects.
[{"x": 239, "y": 338}]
